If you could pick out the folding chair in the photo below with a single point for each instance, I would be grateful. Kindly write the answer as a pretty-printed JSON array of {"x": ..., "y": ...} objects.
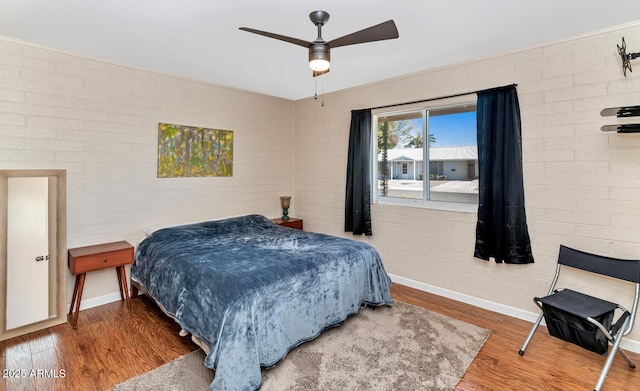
[{"x": 585, "y": 320}]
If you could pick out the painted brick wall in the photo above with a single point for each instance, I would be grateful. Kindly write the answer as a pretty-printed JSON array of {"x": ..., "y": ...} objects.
[
  {"x": 100, "y": 121},
  {"x": 582, "y": 186}
]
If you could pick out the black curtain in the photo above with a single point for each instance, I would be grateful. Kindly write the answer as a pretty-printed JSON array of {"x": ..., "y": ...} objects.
[
  {"x": 501, "y": 231},
  {"x": 357, "y": 209}
]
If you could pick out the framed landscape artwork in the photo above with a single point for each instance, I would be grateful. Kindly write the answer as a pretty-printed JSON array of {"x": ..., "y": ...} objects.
[{"x": 188, "y": 151}]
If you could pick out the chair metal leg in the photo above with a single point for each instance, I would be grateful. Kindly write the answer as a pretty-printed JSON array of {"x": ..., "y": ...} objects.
[
  {"x": 611, "y": 356},
  {"x": 626, "y": 358},
  {"x": 533, "y": 331}
]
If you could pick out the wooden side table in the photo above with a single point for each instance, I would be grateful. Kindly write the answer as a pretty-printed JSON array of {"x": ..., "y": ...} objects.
[
  {"x": 87, "y": 259},
  {"x": 291, "y": 223}
]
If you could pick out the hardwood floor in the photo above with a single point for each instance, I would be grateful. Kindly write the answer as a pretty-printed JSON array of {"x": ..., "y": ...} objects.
[{"x": 112, "y": 344}]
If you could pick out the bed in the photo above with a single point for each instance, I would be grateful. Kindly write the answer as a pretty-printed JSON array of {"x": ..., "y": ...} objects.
[{"x": 250, "y": 290}]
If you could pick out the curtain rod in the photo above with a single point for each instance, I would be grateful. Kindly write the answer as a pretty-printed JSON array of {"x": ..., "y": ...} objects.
[{"x": 440, "y": 97}]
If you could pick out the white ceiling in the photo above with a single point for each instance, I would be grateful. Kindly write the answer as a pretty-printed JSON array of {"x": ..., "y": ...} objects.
[{"x": 200, "y": 40}]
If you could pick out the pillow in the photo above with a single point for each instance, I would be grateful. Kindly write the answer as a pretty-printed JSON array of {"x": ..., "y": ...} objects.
[{"x": 153, "y": 228}]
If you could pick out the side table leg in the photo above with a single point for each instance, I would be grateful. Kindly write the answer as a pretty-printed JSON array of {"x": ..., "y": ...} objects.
[
  {"x": 122, "y": 281},
  {"x": 78, "y": 299},
  {"x": 119, "y": 273},
  {"x": 75, "y": 293}
]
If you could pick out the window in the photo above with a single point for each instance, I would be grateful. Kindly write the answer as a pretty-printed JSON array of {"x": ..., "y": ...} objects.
[{"x": 444, "y": 168}]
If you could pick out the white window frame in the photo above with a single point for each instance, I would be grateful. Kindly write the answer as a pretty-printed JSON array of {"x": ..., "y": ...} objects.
[{"x": 417, "y": 203}]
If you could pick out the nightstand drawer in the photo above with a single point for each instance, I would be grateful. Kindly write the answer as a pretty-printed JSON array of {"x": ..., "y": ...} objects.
[
  {"x": 87, "y": 259},
  {"x": 101, "y": 261}
]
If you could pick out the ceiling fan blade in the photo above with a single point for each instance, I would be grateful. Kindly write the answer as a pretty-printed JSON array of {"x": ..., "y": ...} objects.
[
  {"x": 379, "y": 32},
  {"x": 318, "y": 73},
  {"x": 295, "y": 41}
]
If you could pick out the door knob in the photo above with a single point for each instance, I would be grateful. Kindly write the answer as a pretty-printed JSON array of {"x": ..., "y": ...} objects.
[{"x": 40, "y": 258}]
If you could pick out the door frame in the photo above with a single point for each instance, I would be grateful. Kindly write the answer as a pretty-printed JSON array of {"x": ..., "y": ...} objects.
[{"x": 57, "y": 258}]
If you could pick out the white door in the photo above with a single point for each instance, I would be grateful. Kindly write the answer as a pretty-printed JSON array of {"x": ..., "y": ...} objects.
[{"x": 27, "y": 251}]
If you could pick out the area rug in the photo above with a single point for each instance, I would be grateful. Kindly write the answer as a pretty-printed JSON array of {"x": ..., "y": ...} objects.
[{"x": 403, "y": 347}]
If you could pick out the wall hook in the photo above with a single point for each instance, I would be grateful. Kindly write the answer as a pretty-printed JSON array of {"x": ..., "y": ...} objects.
[{"x": 626, "y": 57}]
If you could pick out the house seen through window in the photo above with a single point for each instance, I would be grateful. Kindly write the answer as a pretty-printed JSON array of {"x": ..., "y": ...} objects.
[{"x": 427, "y": 154}]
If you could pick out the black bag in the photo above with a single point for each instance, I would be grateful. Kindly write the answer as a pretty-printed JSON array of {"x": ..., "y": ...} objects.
[{"x": 566, "y": 313}]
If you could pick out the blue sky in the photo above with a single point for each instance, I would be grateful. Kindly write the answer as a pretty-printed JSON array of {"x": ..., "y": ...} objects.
[{"x": 452, "y": 130}]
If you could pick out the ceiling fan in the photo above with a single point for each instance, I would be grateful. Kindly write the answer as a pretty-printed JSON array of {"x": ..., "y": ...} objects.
[{"x": 320, "y": 50}]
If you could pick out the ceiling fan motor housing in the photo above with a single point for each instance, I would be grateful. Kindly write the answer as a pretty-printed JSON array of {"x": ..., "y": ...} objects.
[{"x": 319, "y": 51}]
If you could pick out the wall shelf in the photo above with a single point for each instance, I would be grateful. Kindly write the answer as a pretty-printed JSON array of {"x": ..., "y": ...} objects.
[
  {"x": 623, "y": 128},
  {"x": 621, "y": 112}
]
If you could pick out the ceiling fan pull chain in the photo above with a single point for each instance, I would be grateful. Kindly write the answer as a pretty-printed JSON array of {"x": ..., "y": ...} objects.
[
  {"x": 315, "y": 82},
  {"x": 315, "y": 95}
]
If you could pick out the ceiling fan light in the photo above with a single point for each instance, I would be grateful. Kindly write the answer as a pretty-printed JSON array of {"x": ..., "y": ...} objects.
[
  {"x": 319, "y": 65},
  {"x": 319, "y": 57}
]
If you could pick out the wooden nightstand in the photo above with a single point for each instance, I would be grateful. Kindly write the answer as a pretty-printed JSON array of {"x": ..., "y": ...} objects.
[
  {"x": 291, "y": 223},
  {"x": 87, "y": 259}
]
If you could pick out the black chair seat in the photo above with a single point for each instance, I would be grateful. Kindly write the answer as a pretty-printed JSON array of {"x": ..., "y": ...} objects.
[
  {"x": 578, "y": 304},
  {"x": 566, "y": 313}
]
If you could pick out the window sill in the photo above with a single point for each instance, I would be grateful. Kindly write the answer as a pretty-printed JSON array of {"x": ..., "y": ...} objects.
[{"x": 436, "y": 205}]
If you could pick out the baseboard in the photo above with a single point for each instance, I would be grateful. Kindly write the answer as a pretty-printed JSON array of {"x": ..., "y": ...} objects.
[
  {"x": 627, "y": 344},
  {"x": 97, "y": 301}
]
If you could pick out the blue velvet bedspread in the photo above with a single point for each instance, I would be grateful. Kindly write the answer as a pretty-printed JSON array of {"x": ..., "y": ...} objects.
[{"x": 253, "y": 290}]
